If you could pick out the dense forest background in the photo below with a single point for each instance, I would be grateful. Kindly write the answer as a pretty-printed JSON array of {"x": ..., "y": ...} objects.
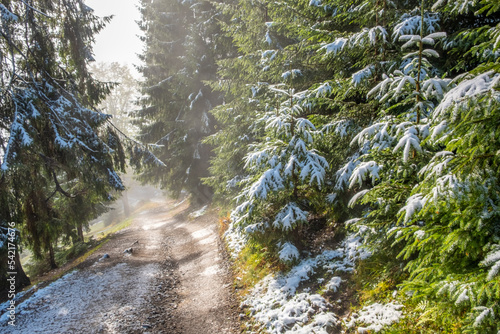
[{"x": 374, "y": 117}]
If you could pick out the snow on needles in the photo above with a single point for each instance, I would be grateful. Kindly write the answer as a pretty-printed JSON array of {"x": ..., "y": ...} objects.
[
  {"x": 6, "y": 15},
  {"x": 362, "y": 170},
  {"x": 288, "y": 252},
  {"x": 289, "y": 216},
  {"x": 411, "y": 24},
  {"x": 478, "y": 85},
  {"x": 410, "y": 139},
  {"x": 493, "y": 259},
  {"x": 362, "y": 75},
  {"x": 335, "y": 46},
  {"x": 413, "y": 204}
]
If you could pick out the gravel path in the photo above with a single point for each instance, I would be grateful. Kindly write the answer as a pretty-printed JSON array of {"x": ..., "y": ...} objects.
[{"x": 174, "y": 281}]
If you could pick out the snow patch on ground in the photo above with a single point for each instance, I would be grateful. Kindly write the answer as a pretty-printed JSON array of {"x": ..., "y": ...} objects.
[
  {"x": 5, "y": 305},
  {"x": 278, "y": 306},
  {"x": 235, "y": 240},
  {"x": 106, "y": 295},
  {"x": 375, "y": 317},
  {"x": 198, "y": 213},
  {"x": 180, "y": 203},
  {"x": 334, "y": 284}
]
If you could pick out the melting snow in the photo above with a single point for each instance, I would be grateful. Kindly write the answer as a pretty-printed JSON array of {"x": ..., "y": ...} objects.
[
  {"x": 57, "y": 307},
  {"x": 278, "y": 306},
  {"x": 376, "y": 316},
  {"x": 199, "y": 213},
  {"x": 334, "y": 284},
  {"x": 235, "y": 240},
  {"x": 6, "y": 15}
]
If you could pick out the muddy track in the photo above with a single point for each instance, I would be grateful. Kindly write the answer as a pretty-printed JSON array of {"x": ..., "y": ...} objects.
[{"x": 173, "y": 281}]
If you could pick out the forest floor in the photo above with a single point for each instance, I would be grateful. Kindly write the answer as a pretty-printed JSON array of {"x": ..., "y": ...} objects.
[{"x": 175, "y": 280}]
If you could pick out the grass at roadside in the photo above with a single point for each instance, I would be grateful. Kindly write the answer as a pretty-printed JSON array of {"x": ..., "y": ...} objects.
[
  {"x": 70, "y": 264},
  {"x": 68, "y": 258},
  {"x": 100, "y": 231},
  {"x": 252, "y": 264}
]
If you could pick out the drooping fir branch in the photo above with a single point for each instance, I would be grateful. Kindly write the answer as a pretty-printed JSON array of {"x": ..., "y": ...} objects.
[{"x": 52, "y": 136}]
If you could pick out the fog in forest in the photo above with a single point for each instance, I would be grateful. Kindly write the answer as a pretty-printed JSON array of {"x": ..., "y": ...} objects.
[{"x": 134, "y": 196}]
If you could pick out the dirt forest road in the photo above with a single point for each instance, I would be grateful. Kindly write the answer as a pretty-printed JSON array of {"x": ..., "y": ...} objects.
[{"x": 174, "y": 281}]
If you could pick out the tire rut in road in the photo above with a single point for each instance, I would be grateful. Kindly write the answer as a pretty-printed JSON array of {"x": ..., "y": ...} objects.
[
  {"x": 173, "y": 282},
  {"x": 207, "y": 304}
]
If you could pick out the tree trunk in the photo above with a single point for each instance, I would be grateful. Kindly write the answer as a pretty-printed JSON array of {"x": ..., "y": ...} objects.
[
  {"x": 203, "y": 194},
  {"x": 79, "y": 229},
  {"x": 296, "y": 238},
  {"x": 22, "y": 279},
  {"x": 52, "y": 260}
]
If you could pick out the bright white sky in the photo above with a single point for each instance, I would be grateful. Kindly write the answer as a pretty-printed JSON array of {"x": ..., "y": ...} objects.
[{"x": 118, "y": 41}]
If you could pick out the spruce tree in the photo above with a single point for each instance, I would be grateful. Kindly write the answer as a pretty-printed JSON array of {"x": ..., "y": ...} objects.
[
  {"x": 56, "y": 148},
  {"x": 433, "y": 196},
  {"x": 403, "y": 100},
  {"x": 181, "y": 46},
  {"x": 266, "y": 156}
]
